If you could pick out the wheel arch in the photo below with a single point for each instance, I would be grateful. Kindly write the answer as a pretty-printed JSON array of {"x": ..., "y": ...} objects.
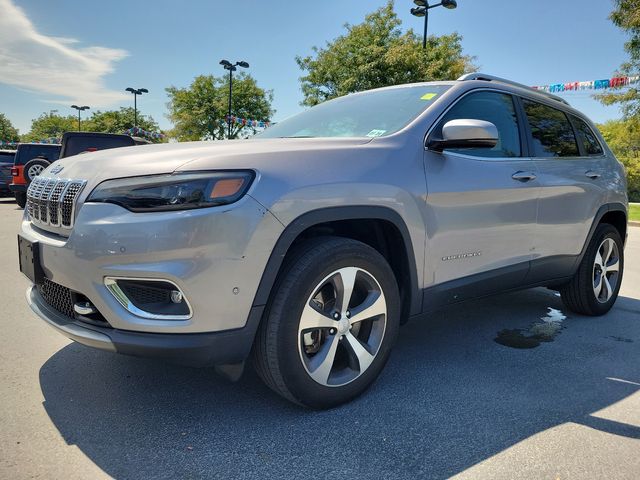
[
  {"x": 612, "y": 213},
  {"x": 387, "y": 229}
]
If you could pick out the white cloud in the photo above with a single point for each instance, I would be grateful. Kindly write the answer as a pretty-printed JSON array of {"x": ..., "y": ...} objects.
[{"x": 54, "y": 65}]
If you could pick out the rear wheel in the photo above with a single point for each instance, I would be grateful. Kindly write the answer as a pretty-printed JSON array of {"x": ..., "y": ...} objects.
[
  {"x": 21, "y": 198},
  {"x": 595, "y": 286},
  {"x": 329, "y": 329}
]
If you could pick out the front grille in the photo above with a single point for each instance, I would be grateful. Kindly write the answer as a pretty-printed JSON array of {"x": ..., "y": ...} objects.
[
  {"x": 52, "y": 201},
  {"x": 57, "y": 297}
]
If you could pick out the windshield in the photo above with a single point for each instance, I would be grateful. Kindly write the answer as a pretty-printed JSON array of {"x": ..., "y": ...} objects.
[{"x": 369, "y": 114}]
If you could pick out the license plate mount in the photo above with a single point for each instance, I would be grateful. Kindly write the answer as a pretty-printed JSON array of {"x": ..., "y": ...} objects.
[{"x": 29, "y": 256}]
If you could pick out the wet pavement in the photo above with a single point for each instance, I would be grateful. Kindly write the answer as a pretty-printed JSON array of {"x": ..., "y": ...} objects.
[{"x": 451, "y": 402}]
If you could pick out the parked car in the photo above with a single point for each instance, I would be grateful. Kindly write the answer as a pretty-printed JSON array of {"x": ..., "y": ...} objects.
[
  {"x": 28, "y": 165},
  {"x": 6, "y": 162},
  {"x": 30, "y": 160},
  {"x": 307, "y": 247}
]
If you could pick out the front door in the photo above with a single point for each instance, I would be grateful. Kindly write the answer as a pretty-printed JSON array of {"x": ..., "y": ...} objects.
[{"x": 481, "y": 205}]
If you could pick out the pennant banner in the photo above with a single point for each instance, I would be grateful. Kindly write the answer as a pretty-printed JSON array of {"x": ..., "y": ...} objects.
[
  {"x": 139, "y": 132},
  {"x": 6, "y": 143},
  {"x": 615, "y": 82},
  {"x": 246, "y": 122}
]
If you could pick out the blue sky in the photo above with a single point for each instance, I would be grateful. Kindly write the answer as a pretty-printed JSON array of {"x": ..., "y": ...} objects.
[{"x": 98, "y": 49}]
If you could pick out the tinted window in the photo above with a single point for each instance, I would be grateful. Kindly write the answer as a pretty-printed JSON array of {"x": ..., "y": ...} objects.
[
  {"x": 586, "y": 137},
  {"x": 369, "y": 114},
  {"x": 552, "y": 133},
  {"x": 27, "y": 151},
  {"x": 493, "y": 107},
  {"x": 78, "y": 144},
  {"x": 7, "y": 157}
]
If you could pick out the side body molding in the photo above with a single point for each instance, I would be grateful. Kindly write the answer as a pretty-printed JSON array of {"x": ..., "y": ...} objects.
[{"x": 331, "y": 214}]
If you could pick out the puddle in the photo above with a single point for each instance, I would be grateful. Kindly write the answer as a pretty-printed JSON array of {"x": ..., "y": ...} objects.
[{"x": 537, "y": 333}]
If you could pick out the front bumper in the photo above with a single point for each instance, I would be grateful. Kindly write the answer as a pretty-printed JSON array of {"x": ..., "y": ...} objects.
[
  {"x": 198, "y": 349},
  {"x": 215, "y": 256}
]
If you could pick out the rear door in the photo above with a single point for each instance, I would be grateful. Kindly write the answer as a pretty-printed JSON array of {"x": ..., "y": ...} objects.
[
  {"x": 481, "y": 203},
  {"x": 569, "y": 161}
]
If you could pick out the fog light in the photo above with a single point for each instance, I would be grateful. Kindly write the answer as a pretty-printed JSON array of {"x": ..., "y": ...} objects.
[
  {"x": 152, "y": 298},
  {"x": 176, "y": 296}
]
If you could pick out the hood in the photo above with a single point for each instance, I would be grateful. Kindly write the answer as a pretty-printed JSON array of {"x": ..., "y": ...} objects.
[{"x": 96, "y": 167}]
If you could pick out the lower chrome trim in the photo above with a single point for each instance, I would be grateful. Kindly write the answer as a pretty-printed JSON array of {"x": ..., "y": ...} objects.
[{"x": 112, "y": 285}]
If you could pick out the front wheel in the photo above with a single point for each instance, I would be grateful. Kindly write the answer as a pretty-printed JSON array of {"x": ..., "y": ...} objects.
[
  {"x": 332, "y": 322},
  {"x": 594, "y": 288}
]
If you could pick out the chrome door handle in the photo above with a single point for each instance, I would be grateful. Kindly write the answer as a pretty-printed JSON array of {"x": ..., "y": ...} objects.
[
  {"x": 592, "y": 175},
  {"x": 523, "y": 176}
]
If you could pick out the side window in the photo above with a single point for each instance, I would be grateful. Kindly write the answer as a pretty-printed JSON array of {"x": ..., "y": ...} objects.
[
  {"x": 493, "y": 107},
  {"x": 551, "y": 131},
  {"x": 586, "y": 137}
]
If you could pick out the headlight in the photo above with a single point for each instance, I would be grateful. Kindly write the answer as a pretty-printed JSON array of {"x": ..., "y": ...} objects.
[{"x": 155, "y": 193}]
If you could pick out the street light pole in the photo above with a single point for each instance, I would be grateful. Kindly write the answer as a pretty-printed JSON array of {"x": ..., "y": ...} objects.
[
  {"x": 79, "y": 109},
  {"x": 422, "y": 10},
  {"x": 232, "y": 67},
  {"x": 136, "y": 92}
]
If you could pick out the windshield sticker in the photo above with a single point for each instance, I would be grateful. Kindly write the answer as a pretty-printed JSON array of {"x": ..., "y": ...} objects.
[
  {"x": 428, "y": 96},
  {"x": 376, "y": 133}
]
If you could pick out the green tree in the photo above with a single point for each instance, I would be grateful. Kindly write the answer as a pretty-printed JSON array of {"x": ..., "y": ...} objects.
[
  {"x": 8, "y": 133},
  {"x": 623, "y": 137},
  {"x": 376, "y": 53},
  {"x": 50, "y": 125},
  {"x": 626, "y": 15},
  {"x": 118, "y": 121},
  {"x": 198, "y": 111}
]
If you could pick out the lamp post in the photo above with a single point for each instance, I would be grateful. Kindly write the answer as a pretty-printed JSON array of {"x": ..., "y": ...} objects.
[
  {"x": 79, "y": 109},
  {"x": 422, "y": 10},
  {"x": 232, "y": 68},
  {"x": 136, "y": 92}
]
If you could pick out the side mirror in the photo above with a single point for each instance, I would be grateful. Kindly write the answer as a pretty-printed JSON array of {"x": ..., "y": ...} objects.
[{"x": 465, "y": 133}]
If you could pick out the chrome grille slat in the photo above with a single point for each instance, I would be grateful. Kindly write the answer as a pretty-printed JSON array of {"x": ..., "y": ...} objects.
[{"x": 52, "y": 201}]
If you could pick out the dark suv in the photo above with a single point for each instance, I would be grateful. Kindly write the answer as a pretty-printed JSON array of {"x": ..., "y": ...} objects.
[
  {"x": 30, "y": 160},
  {"x": 6, "y": 162}
]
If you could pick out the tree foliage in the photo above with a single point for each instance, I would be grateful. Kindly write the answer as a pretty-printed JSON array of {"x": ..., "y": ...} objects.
[
  {"x": 8, "y": 133},
  {"x": 118, "y": 121},
  {"x": 626, "y": 15},
  {"x": 50, "y": 125},
  {"x": 198, "y": 111},
  {"x": 623, "y": 137},
  {"x": 376, "y": 53}
]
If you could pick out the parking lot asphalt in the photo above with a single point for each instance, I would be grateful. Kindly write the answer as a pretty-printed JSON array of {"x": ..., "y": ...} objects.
[{"x": 451, "y": 401}]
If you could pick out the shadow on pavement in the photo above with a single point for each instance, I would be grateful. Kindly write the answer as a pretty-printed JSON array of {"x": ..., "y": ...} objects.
[{"x": 449, "y": 398}]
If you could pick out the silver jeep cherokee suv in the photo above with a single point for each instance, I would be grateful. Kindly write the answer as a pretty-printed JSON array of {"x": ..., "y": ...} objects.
[{"x": 308, "y": 246}]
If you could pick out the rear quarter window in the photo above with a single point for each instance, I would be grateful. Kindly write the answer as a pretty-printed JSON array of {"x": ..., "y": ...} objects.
[{"x": 586, "y": 137}]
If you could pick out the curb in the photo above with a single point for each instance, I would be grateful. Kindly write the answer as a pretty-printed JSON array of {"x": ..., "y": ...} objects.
[{"x": 634, "y": 224}]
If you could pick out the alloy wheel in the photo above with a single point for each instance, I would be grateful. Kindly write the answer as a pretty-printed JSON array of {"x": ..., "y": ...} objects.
[
  {"x": 606, "y": 269},
  {"x": 342, "y": 326},
  {"x": 35, "y": 170}
]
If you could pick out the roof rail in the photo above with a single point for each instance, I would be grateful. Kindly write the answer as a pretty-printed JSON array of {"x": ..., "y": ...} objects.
[{"x": 491, "y": 78}]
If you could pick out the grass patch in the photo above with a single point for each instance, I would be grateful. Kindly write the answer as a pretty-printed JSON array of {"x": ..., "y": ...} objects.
[{"x": 634, "y": 213}]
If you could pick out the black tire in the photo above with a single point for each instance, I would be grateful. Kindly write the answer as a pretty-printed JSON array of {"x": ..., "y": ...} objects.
[
  {"x": 33, "y": 164},
  {"x": 21, "y": 198},
  {"x": 578, "y": 295},
  {"x": 276, "y": 354}
]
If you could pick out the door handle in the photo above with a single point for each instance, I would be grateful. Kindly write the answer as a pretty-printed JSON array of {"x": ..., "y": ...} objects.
[
  {"x": 592, "y": 175},
  {"x": 523, "y": 176}
]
